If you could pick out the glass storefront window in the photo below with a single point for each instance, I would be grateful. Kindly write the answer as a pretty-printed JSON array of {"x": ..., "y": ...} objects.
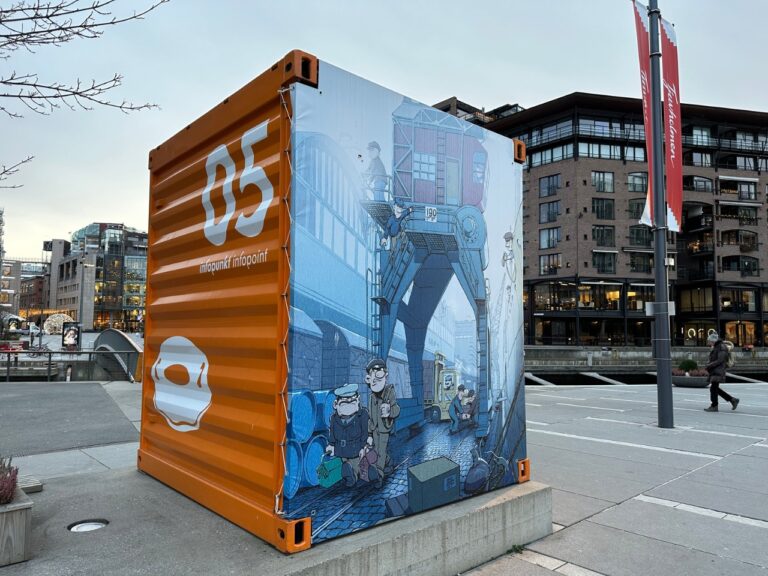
[
  {"x": 639, "y": 333},
  {"x": 600, "y": 296},
  {"x": 740, "y": 333},
  {"x": 738, "y": 300},
  {"x": 558, "y": 332},
  {"x": 695, "y": 333},
  {"x": 638, "y": 295},
  {"x": 555, "y": 296},
  {"x": 601, "y": 331},
  {"x": 696, "y": 300}
]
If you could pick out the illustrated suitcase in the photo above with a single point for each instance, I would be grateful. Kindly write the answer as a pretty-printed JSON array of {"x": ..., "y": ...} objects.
[{"x": 329, "y": 472}]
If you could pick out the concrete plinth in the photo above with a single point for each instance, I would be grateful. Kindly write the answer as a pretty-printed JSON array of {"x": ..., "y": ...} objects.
[{"x": 447, "y": 540}]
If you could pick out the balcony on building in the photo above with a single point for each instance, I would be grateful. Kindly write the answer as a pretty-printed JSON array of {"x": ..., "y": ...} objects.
[
  {"x": 743, "y": 213},
  {"x": 703, "y": 245},
  {"x": 739, "y": 266},
  {"x": 701, "y": 184}
]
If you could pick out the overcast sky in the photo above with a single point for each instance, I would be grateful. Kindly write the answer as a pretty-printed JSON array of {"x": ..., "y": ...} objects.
[{"x": 190, "y": 54}]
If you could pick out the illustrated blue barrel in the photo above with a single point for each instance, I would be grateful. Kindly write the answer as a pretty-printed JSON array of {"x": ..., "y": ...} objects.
[
  {"x": 301, "y": 407},
  {"x": 324, "y": 408},
  {"x": 294, "y": 464},
  {"x": 313, "y": 457}
]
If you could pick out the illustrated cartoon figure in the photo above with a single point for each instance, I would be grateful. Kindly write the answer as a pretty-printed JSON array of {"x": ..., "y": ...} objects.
[
  {"x": 394, "y": 225},
  {"x": 376, "y": 173},
  {"x": 456, "y": 410},
  {"x": 472, "y": 408},
  {"x": 348, "y": 432},
  {"x": 383, "y": 410},
  {"x": 508, "y": 258}
]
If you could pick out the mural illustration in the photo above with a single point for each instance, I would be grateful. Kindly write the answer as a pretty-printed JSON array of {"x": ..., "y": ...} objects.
[{"x": 406, "y": 349}]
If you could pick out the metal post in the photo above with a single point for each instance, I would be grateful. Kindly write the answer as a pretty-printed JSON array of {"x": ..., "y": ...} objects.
[{"x": 661, "y": 311}]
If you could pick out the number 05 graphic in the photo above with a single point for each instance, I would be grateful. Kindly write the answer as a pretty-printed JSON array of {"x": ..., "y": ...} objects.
[{"x": 252, "y": 174}]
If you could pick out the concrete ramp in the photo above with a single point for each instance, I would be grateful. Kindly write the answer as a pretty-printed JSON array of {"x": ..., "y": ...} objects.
[
  {"x": 605, "y": 379},
  {"x": 745, "y": 378},
  {"x": 538, "y": 380}
]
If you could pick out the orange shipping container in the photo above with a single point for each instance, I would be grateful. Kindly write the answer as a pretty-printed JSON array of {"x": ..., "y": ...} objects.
[{"x": 334, "y": 328}]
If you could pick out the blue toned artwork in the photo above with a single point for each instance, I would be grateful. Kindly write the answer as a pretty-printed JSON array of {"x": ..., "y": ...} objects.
[{"x": 406, "y": 348}]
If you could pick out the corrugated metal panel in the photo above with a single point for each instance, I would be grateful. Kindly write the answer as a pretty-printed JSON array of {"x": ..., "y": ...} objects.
[{"x": 216, "y": 306}]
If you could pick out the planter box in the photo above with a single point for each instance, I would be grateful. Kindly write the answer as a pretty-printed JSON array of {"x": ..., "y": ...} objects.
[
  {"x": 16, "y": 529},
  {"x": 690, "y": 381}
]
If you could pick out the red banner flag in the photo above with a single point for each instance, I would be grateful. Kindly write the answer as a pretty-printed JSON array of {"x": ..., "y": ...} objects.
[
  {"x": 674, "y": 169},
  {"x": 644, "y": 52}
]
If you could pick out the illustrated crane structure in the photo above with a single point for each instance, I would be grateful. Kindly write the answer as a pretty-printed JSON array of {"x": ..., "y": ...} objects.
[{"x": 432, "y": 230}]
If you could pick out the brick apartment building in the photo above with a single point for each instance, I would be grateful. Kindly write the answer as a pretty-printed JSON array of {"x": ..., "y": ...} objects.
[{"x": 589, "y": 263}]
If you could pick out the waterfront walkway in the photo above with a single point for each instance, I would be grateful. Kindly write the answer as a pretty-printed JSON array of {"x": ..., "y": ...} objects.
[{"x": 628, "y": 498}]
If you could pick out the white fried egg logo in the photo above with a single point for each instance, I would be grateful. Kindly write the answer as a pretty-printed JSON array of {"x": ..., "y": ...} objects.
[{"x": 182, "y": 405}]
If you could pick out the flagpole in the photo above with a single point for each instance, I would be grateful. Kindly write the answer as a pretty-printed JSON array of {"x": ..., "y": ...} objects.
[{"x": 662, "y": 346}]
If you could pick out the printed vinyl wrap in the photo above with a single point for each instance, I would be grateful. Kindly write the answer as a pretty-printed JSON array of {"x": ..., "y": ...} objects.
[
  {"x": 406, "y": 346},
  {"x": 333, "y": 330}
]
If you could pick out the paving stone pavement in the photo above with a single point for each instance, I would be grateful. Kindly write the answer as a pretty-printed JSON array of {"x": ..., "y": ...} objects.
[
  {"x": 635, "y": 499},
  {"x": 629, "y": 498}
]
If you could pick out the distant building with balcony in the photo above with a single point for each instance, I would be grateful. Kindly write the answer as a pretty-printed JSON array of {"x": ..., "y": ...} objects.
[
  {"x": 589, "y": 263},
  {"x": 104, "y": 264}
]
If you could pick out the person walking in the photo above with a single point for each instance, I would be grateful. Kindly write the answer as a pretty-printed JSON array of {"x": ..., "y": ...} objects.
[{"x": 718, "y": 356}]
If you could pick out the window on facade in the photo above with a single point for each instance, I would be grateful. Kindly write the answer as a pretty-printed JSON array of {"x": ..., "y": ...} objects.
[
  {"x": 697, "y": 183},
  {"x": 549, "y": 264},
  {"x": 701, "y": 136},
  {"x": 746, "y": 215},
  {"x": 634, "y": 153},
  {"x": 738, "y": 300},
  {"x": 600, "y": 127},
  {"x": 551, "y": 132},
  {"x": 744, "y": 238},
  {"x": 695, "y": 300},
  {"x": 604, "y": 262},
  {"x": 640, "y": 236},
  {"x": 555, "y": 296},
  {"x": 746, "y": 265},
  {"x": 640, "y": 262},
  {"x": 600, "y": 297},
  {"x": 604, "y": 235},
  {"x": 549, "y": 211},
  {"x": 596, "y": 150},
  {"x": 745, "y": 163},
  {"x": 424, "y": 166},
  {"x": 549, "y": 237},
  {"x": 552, "y": 155},
  {"x": 638, "y": 295},
  {"x": 634, "y": 130},
  {"x": 478, "y": 167},
  {"x": 603, "y": 208},
  {"x": 744, "y": 139},
  {"x": 637, "y": 182},
  {"x": 697, "y": 159},
  {"x": 602, "y": 181},
  {"x": 744, "y": 190},
  {"x": 636, "y": 207},
  {"x": 548, "y": 185}
]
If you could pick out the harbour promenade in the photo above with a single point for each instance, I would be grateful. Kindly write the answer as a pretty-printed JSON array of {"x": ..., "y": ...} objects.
[{"x": 628, "y": 498}]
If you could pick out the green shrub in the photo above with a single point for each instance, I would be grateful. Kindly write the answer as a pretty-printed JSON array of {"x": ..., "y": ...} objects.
[{"x": 688, "y": 365}]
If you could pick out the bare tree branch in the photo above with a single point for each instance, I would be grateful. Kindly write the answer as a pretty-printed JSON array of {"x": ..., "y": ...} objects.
[
  {"x": 43, "y": 98},
  {"x": 8, "y": 171},
  {"x": 28, "y": 24}
]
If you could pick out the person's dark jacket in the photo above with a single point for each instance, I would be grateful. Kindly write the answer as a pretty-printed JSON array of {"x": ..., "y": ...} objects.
[
  {"x": 717, "y": 359},
  {"x": 348, "y": 436}
]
